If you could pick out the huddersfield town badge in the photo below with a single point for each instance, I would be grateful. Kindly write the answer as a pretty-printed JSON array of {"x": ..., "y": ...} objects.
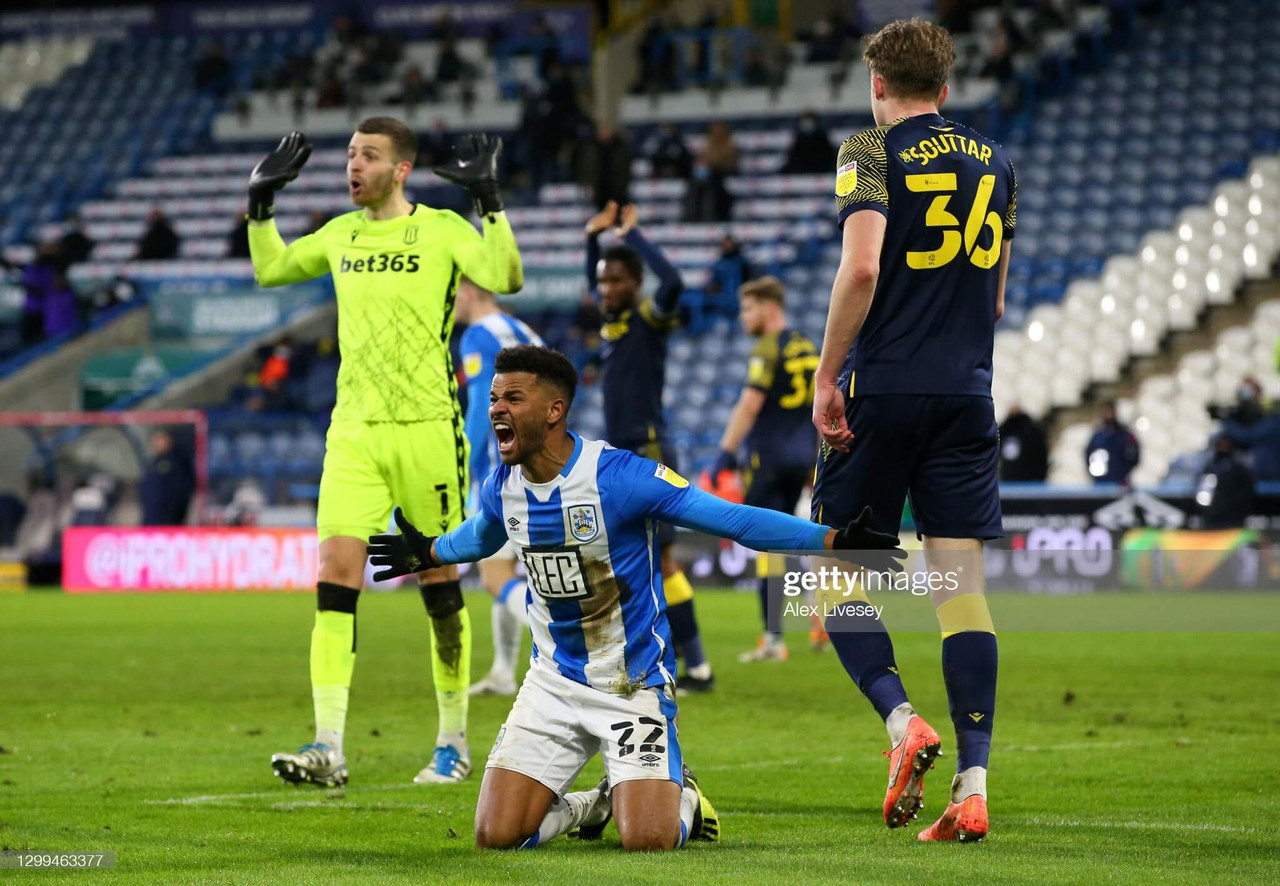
[{"x": 583, "y": 522}]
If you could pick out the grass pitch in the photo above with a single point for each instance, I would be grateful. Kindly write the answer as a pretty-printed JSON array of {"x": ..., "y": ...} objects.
[{"x": 144, "y": 725}]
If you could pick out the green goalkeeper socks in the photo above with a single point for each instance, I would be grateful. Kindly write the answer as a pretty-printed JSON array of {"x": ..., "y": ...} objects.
[
  {"x": 450, "y": 656},
  {"x": 333, "y": 659}
]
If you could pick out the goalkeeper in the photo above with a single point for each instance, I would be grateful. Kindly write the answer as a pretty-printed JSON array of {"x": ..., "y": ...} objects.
[{"x": 396, "y": 432}]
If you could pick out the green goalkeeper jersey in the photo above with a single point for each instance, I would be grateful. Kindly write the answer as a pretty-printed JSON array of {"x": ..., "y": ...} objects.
[{"x": 396, "y": 281}]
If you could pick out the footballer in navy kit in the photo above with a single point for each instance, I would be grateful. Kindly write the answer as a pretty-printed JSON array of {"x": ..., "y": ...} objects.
[
  {"x": 634, "y": 366},
  {"x": 903, "y": 391},
  {"x": 583, "y": 517},
  {"x": 773, "y": 419}
]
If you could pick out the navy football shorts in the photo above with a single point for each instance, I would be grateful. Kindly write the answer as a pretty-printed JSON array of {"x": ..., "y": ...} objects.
[
  {"x": 940, "y": 450},
  {"x": 776, "y": 487}
]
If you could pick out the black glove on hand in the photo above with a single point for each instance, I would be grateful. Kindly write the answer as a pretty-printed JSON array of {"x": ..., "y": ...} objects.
[
  {"x": 274, "y": 171},
  {"x": 725, "y": 461},
  {"x": 402, "y": 554},
  {"x": 475, "y": 169},
  {"x": 878, "y": 551}
]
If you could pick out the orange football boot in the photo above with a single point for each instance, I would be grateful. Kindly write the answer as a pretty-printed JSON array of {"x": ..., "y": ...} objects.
[
  {"x": 818, "y": 639},
  {"x": 908, "y": 762},
  {"x": 964, "y": 822}
]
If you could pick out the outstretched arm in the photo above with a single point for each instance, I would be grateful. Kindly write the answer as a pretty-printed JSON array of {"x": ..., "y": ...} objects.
[
  {"x": 478, "y": 537},
  {"x": 670, "y": 285},
  {"x": 275, "y": 264},
  {"x": 492, "y": 261},
  {"x": 755, "y": 528},
  {"x": 409, "y": 551}
]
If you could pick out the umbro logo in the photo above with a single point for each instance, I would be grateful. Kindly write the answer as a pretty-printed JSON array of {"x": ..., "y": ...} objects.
[
  {"x": 513, "y": 522},
  {"x": 650, "y": 759},
  {"x": 976, "y": 717}
]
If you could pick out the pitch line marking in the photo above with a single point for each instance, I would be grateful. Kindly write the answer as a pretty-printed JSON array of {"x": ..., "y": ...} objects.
[
  {"x": 219, "y": 798},
  {"x": 1136, "y": 825}
]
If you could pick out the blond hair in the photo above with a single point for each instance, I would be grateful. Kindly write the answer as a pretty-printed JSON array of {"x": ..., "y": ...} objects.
[{"x": 764, "y": 289}]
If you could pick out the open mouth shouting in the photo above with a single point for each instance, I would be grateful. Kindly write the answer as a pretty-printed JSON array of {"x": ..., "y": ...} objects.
[{"x": 506, "y": 435}]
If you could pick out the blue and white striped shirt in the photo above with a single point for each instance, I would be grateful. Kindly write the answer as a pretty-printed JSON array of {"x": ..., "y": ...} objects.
[{"x": 587, "y": 538}]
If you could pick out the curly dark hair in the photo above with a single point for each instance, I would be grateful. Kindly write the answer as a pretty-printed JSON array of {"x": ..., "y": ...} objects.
[
  {"x": 629, "y": 257},
  {"x": 550, "y": 366}
]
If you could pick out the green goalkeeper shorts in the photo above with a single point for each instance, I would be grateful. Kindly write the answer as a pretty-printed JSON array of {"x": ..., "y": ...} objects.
[{"x": 369, "y": 467}]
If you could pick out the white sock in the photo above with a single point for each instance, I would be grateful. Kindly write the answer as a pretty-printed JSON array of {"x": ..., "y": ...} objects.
[
  {"x": 500, "y": 620},
  {"x": 972, "y": 781},
  {"x": 897, "y": 722},
  {"x": 332, "y": 739},
  {"x": 457, "y": 739},
  {"x": 516, "y": 603},
  {"x": 701, "y": 672},
  {"x": 565, "y": 814},
  {"x": 688, "y": 808}
]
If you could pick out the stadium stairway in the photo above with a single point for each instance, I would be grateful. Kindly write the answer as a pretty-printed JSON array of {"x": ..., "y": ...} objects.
[{"x": 52, "y": 381}]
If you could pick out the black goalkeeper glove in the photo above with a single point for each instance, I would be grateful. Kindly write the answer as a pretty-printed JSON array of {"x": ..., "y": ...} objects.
[
  {"x": 877, "y": 551},
  {"x": 402, "y": 554},
  {"x": 275, "y": 171},
  {"x": 475, "y": 169}
]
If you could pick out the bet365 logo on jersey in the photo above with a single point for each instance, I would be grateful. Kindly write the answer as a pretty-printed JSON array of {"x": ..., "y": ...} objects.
[{"x": 378, "y": 263}]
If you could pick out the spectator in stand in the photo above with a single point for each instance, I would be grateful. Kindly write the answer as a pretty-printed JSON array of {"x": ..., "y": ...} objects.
[
  {"x": 728, "y": 273},
  {"x": 537, "y": 143},
  {"x": 238, "y": 239},
  {"x": 450, "y": 66},
  {"x": 1113, "y": 451},
  {"x": 213, "y": 71},
  {"x": 159, "y": 242},
  {"x": 433, "y": 146},
  {"x": 61, "y": 308},
  {"x": 811, "y": 151},
  {"x": 38, "y": 278},
  {"x": 708, "y": 198},
  {"x": 275, "y": 368},
  {"x": 604, "y": 166},
  {"x": 76, "y": 245},
  {"x": 414, "y": 89},
  {"x": 1252, "y": 428},
  {"x": 656, "y": 57},
  {"x": 669, "y": 156},
  {"x": 445, "y": 28},
  {"x": 168, "y": 483},
  {"x": 835, "y": 40},
  {"x": 563, "y": 95},
  {"x": 331, "y": 93},
  {"x": 1024, "y": 451},
  {"x": 756, "y": 70},
  {"x": 1225, "y": 488},
  {"x": 545, "y": 42},
  {"x": 316, "y": 220},
  {"x": 1248, "y": 409}
]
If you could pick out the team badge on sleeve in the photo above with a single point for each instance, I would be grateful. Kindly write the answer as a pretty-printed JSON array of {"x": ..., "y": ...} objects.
[
  {"x": 662, "y": 472},
  {"x": 584, "y": 523},
  {"x": 472, "y": 364},
  {"x": 846, "y": 178}
]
